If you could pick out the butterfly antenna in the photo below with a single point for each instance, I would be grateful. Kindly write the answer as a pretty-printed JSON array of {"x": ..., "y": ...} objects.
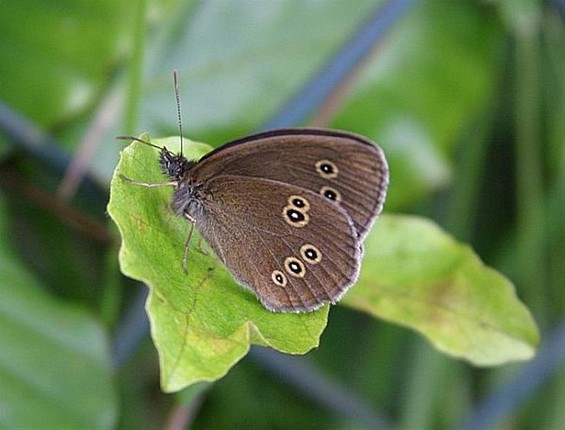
[
  {"x": 137, "y": 140},
  {"x": 177, "y": 98}
]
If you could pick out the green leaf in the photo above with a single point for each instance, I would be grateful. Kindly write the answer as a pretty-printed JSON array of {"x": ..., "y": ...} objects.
[
  {"x": 202, "y": 323},
  {"x": 55, "y": 368},
  {"x": 63, "y": 63},
  {"x": 416, "y": 275}
]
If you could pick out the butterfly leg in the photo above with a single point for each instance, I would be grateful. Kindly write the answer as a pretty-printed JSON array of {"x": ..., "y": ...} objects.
[
  {"x": 201, "y": 248},
  {"x": 148, "y": 184},
  {"x": 187, "y": 245}
]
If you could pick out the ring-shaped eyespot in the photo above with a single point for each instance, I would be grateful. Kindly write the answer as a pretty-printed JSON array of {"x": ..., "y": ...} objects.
[
  {"x": 279, "y": 278},
  {"x": 330, "y": 193},
  {"x": 299, "y": 203},
  {"x": 327, "y": 169},
  {"x": 310, "y": 253},
  {"x": 294, "y": 267},
  {"x": 295, "y": 217}
]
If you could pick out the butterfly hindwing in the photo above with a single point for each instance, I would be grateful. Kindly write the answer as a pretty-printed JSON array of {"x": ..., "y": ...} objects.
[{"x": 294, "y": 248}]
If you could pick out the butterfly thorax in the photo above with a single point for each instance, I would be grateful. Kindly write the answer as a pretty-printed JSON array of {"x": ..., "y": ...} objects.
[
  {"x": 187, "y": 199},
  {"x": 186, "y": 195}
]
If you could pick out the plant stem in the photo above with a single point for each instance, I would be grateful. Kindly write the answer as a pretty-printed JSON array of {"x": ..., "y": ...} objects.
[{"x": 135, "y": 69}]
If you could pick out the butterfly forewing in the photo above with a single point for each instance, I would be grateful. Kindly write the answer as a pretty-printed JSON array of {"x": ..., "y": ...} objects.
[{"x": 346, "y": 169}]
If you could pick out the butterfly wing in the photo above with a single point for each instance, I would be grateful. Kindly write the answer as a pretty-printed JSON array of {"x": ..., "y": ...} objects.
[
  {"x": 345, "y": 168},
  {"x": 295, "y": 249}
]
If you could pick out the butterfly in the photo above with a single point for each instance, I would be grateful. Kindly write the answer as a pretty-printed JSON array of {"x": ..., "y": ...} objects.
[{"x": 286, "y": 211}]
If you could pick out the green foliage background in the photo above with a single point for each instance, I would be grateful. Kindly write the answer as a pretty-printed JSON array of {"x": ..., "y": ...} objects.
[{"x": 466, "y": 98}]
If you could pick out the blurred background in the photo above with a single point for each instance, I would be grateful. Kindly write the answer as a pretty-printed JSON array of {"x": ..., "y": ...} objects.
[{"x": 467, "y": 99}]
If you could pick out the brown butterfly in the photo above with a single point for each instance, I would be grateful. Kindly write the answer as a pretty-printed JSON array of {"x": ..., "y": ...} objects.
[{"x": 286, "y": 211}]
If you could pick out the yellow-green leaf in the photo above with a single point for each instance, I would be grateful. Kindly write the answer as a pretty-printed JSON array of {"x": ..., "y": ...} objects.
[{"x": 416, "y": 275}]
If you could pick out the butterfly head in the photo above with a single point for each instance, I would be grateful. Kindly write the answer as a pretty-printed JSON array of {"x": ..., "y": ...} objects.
[{"x": 174, "y": 165}]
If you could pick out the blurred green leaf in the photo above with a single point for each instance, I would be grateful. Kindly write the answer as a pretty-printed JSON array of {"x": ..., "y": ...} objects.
[
  {"x": 424, "y": 90},
  {"x": 203, "y": 323},
  {"x": 54, "y": 361},
  {"x": 57, "y": 69},
  {"x": 416, "y": 275},
  {"x": 239, "y": 61}
]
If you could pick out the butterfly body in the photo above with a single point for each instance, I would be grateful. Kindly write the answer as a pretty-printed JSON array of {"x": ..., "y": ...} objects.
[{"x": 286, "y": 211}]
